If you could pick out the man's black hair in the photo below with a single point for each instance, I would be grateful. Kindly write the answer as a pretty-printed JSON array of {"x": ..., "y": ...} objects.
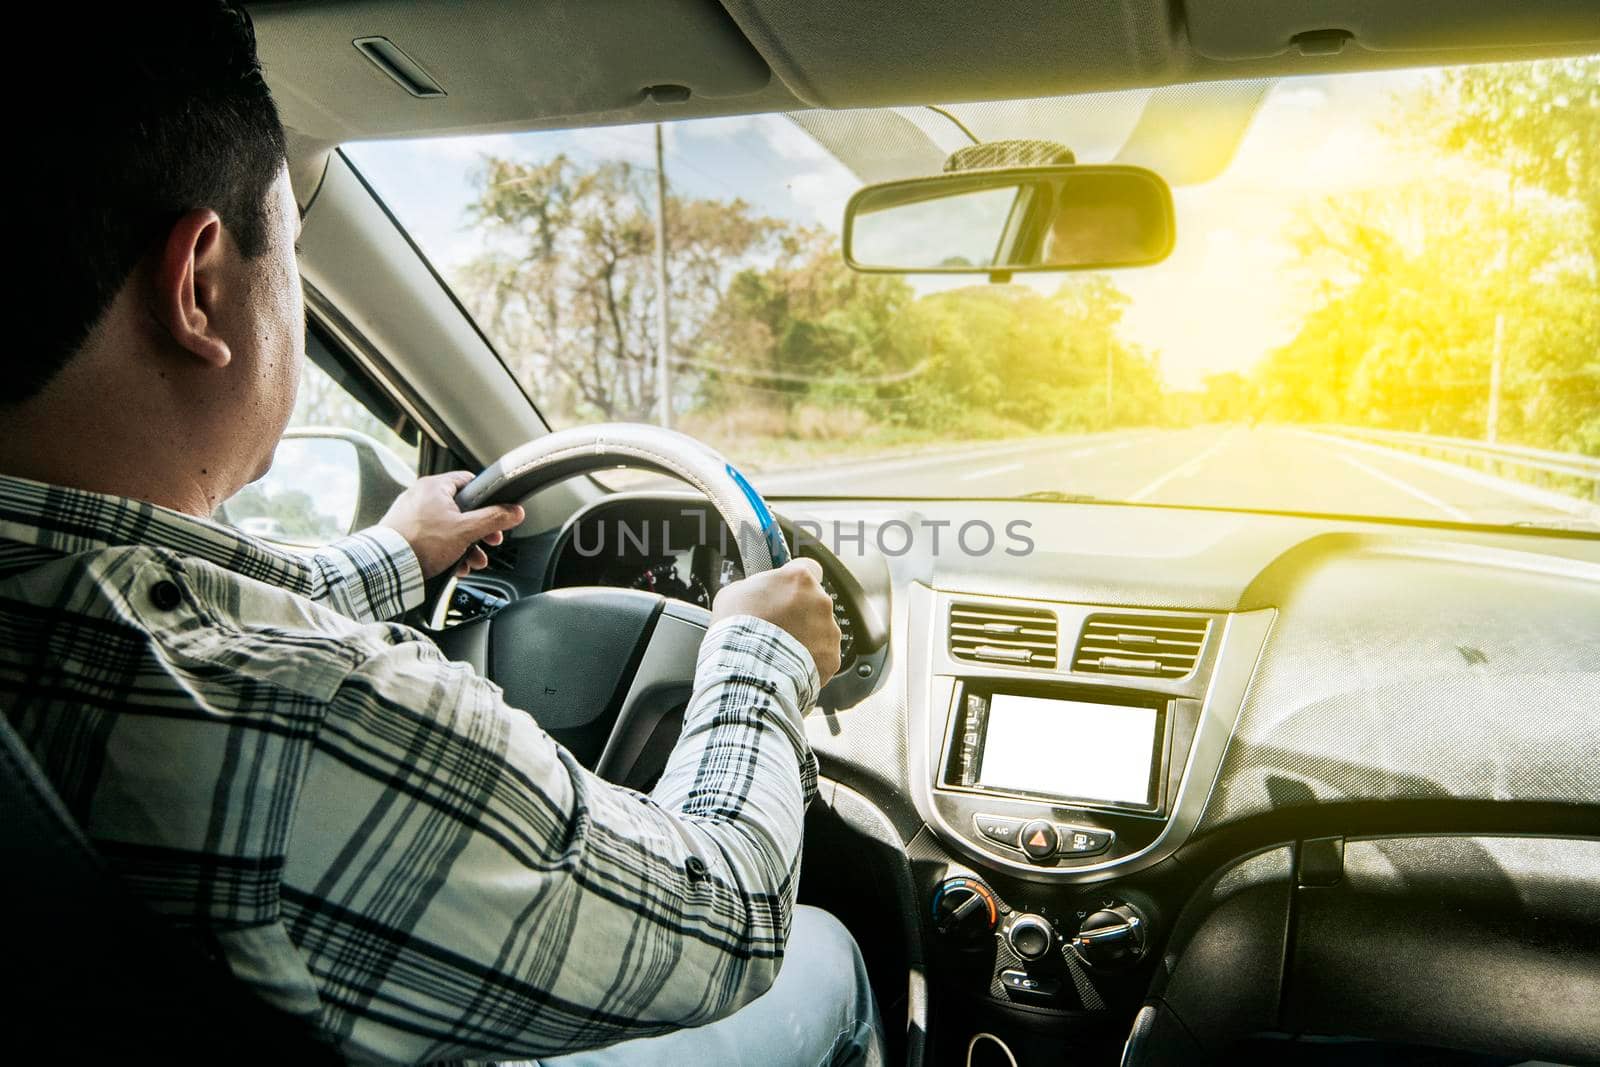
[{"x": 150, "y": 111}]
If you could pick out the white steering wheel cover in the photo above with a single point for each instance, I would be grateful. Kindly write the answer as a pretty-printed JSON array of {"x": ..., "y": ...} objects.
[{"x": 584, "y": 449}]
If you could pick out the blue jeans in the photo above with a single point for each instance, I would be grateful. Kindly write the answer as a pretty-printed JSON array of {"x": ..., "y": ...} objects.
[{"x": 818, "y": 1013}]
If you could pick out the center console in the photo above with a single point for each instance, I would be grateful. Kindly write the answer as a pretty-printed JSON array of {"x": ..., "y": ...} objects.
[
  {"x": 1057, "y": 750},
  {"x": 1056, "y": 776},
  {"x": 1067, "y": 742}
]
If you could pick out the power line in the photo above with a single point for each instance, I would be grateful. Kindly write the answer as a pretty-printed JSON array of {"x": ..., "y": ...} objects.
[{"x": 810, "y": 379}]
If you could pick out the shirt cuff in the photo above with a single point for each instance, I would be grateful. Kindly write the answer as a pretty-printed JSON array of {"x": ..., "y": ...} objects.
[
  {"x": 379, "y": 569},
  {"x": 746, "y": 645}
]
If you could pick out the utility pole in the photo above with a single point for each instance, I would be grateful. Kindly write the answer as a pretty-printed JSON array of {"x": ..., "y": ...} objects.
[
  {"x": 1492, "y": 430},
  {"x": 663, "y": 345},
  {"x": 1108, "y": 380},
  {"x": 1497, "y": 355}
]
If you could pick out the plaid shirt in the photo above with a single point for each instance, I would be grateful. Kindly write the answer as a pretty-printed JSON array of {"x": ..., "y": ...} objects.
[{"x": 367, "y": 832}]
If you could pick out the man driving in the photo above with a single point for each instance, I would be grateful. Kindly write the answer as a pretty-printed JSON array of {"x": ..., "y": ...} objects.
[
  {"x": 1093, "y": 224},
  {"x": 365, "y": 832}
]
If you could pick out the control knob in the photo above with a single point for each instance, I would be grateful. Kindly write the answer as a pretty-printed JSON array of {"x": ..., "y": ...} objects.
[
  {"x": 965, "y": 911},
  {"x": 1112, "y": 938},
  {"x": 1030, "y": 936}
]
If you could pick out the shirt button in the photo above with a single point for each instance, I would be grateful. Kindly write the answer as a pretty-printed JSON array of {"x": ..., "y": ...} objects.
[
  {"x": 165, "y": 596},
  {"x": 695, "y": 867}
]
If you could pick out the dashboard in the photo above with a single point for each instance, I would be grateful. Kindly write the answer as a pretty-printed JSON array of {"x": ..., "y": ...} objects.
[{"x": 1045, "y": 773}]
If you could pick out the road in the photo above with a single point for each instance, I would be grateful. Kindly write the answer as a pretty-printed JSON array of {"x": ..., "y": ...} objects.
[{"x": 1268, "y": 468}]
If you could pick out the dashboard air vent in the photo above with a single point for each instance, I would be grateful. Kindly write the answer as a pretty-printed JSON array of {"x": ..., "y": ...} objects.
[
  {"x": 1154, "y": 646},
  {"x": 989, "y": 633}
]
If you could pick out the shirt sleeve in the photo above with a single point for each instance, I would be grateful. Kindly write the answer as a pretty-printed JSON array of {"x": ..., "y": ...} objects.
[
  {"x": 369, "y": 576},
  {"x": 461, "y": 888}
]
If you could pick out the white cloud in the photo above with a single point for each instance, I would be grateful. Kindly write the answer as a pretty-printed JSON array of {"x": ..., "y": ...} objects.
[
  {"x": 471, "y": 149},
  {"x": 824, "y": 195},
  {"x": 622, "y": 144}
]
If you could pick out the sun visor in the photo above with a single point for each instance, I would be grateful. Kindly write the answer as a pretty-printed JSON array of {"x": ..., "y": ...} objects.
[
  {"x": 351, "y": 70},
  {"x": 850, "y": 53},
  {"x": 1259, "y": 29}
]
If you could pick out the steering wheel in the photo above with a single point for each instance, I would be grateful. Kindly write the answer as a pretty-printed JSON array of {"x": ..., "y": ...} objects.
[{"x": 601, "y": 668}]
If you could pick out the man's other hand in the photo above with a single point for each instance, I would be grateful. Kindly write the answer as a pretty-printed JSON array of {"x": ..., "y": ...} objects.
[
  {"x": 441, "y": 533},
  {"x": 791, "y": 598}
]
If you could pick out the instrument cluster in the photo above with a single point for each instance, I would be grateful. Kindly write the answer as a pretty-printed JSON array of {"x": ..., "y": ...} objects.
[{"x": 676, "y": 553}]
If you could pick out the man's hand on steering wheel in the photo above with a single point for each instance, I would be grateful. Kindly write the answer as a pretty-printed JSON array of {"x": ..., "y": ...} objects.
[
  {"x": 791, "y": 598},
  {"x": 439, "y": 532}
]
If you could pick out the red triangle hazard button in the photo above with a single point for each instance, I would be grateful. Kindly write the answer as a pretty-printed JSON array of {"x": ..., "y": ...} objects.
[{"x": 1039, "y": 840}]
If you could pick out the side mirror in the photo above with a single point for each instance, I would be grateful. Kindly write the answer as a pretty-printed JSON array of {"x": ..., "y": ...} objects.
[
  {"x": 997, "y": 222},
  {"x": 323, "y": 484}
]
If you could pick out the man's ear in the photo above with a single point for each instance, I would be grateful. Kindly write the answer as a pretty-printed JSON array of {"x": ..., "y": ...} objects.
[{"x": 188, "y": 275}]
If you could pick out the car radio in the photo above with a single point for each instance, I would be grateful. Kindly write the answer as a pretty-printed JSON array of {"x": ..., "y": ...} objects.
[
  {"x": 1057, "y": 775},
  {"x": 1089, "y": 753},
  {"x": 1072, "y": 762}
]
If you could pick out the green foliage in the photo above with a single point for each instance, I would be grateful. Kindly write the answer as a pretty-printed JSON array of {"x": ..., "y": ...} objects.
[
  {"x": 1423, "y": 291},
  {"x": 804, "y": 327},
  {"x": 1039, "y": 362},
  {"x": 287, "y": 515},
  {"x": 321, "y": 401},
  {"x": 766, "y": 314},
  {"x": 1537, "y": 122},
  {"x": 568, "y": 285}
]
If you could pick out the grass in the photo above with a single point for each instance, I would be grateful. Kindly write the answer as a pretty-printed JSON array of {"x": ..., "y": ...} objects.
[{"x": 766, "y": 439}]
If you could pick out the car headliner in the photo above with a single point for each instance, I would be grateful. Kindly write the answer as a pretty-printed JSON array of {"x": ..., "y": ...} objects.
[{"x": 507, "y": 65}]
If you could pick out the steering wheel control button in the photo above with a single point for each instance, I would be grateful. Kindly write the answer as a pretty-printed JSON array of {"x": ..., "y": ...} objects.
[
  {"x": 998, "y": 828},
  {"x": 1039, "y": 840},
  {"x": 1029, "y": 984},
  {"x": 1030, "y": 936},
  {"x": 1082, "y": 840},
  {"x": 165, "y": 595}
]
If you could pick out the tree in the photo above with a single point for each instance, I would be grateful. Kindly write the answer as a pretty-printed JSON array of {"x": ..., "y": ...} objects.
[
  {"x": 805, "y": 326},
  {"x": 1425, "y": 292},
  {"x": 567, "y": 284},
  {"x": 288, "y": 514},
  {"x": 1539, "y": 123},
  {"x": 1008, "y": 354}
]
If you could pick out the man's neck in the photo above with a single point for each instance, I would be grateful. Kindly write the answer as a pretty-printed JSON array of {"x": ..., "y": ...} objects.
[
  {"x": 191, "y": 498},
  {"x": 99, "y": 436}
]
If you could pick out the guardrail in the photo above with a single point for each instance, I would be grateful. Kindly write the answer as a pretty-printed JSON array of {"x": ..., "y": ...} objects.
[{"x": 1496, "y": 457}]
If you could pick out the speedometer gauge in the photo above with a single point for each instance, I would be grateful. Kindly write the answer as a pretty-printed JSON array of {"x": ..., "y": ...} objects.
[
  {"x": 847, "y": 636},
  {"x": 663, "y": 578}
]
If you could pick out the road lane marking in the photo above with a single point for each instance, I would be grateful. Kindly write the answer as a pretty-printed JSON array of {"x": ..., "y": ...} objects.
[
  {"x": 853, "y": 468},
  {"x": 908, "y": 463},
  {"x": 1002, "y": 469},
  {"x": 1547, "y": 498},
  {"x": 1406, "y": 487},
  {"x": 1183, "y": 469}
]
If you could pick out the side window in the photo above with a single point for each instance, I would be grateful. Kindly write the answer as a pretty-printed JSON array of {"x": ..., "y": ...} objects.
[{"x": 348, "y": 449}]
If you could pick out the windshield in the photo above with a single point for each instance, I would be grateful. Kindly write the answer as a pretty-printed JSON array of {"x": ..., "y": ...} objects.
[{"x": 1383, "y": 299}]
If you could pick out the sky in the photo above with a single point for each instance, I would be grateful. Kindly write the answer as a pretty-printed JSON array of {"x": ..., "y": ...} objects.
[{"x": 1228, "y": 294}]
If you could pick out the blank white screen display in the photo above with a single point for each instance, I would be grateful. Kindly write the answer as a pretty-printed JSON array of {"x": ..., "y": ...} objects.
[{"x": 1068, "y": 748}]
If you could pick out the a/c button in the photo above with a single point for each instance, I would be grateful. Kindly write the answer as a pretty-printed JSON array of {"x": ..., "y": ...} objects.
[{"x": 998, "y": 828}]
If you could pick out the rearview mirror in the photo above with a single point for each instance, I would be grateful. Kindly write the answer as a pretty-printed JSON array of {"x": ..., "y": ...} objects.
[{"x": 1017, "y": 219}]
